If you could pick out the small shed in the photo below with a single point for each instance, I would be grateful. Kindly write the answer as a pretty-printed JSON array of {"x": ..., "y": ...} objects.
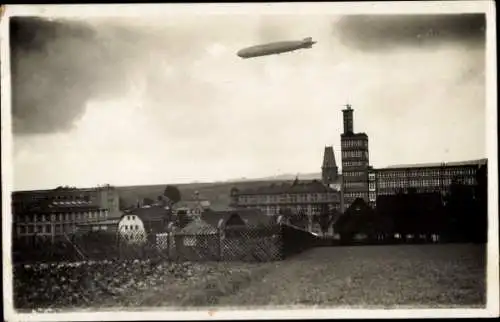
[{"x": 199, "y": 240}]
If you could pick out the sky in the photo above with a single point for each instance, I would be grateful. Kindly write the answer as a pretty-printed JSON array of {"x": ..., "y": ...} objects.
[{"x": 130, "y": 101}]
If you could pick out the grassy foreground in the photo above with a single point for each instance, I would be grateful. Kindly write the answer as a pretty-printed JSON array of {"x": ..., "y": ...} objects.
[{"x": 367, "y": 276}]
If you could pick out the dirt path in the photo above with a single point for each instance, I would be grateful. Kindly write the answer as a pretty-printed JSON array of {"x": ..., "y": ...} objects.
[{"x": 429, "y": 275}]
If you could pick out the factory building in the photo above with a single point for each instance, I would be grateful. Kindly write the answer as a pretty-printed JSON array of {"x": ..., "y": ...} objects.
[
  {"x": 425, "y": 178},
  {"x": 360, "y": 180},
  {"x": 59, "y": 211}
]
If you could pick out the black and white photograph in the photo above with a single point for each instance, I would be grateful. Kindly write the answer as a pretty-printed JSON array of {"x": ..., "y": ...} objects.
[{"x": 240, "y": 161}]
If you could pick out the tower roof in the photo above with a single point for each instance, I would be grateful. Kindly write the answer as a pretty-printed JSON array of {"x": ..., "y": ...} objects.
[{"x": 329, "y": 158}]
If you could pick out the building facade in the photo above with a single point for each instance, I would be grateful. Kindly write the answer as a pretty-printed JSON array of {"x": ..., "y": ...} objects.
[
  {"x": 424, "y": 178},
  {"x": 56, "y": 219},
  {"x": 355, "y": 161},
  {"x": 307, "y": 198},
  {"x": 57, "y": 212}
]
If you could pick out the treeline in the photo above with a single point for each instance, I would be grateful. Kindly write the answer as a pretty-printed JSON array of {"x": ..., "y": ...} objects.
[{"x": 459, "y": 216}]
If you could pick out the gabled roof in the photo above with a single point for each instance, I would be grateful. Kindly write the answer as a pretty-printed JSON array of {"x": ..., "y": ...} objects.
[
  {"x": 47, "y": 206},
  {"x": 199, "y": 227},
  {"x": 150, "y": 213},
  {"x": 251, "y": 216}
]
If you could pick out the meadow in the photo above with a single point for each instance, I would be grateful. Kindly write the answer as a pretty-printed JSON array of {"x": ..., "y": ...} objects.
[{"x": 447, "y": 275}]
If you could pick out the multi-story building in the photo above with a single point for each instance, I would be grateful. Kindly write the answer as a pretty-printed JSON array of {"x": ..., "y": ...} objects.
[
  {"x": 57, "y": 212},
  {"x": 304, "y": 197},
  {"x": 55, "y": 219},
  {"x": 433, "y": 177},
  {"x": 355, "y": 161}
]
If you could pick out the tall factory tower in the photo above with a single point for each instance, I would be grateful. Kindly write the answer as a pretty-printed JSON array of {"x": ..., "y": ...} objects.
[{"x": 355, "y": 161}]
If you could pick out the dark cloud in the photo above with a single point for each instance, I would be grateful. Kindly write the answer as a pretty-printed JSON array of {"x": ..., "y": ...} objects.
[
  {"x": 387, "y": 32},
  {"x": 59, "y": 65},
  {"x": 56, "y": 67}
]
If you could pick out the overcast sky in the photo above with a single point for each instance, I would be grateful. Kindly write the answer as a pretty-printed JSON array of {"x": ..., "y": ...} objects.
[{"x": 163, "y": 101}]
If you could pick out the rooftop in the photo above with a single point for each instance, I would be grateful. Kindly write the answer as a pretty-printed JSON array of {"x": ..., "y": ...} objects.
[
  {"x": 437, "y": 164},
  {"x": 154, "y": 212},
  {"x": 295, "y": 187},
  {"x": 252, "y": 216},
  {"x": 359, "y": 134}
]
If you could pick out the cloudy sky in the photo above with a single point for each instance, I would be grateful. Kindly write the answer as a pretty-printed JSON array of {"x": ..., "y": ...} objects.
[{"x": 156, "y": 101}]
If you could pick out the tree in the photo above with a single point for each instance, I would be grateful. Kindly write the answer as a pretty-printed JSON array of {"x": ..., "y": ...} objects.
[
  {"x": 172, "y": 193},
  {"x": 122, "y": 203},
  {"x": 481, "y": 198},
  {"x": 325, "y": 219},
  {"x": 148, "y": 201},
  {"x": 460, "y": 209}
]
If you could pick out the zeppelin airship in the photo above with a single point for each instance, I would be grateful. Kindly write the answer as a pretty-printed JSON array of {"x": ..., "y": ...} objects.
[{"x": 275, "y": 48}]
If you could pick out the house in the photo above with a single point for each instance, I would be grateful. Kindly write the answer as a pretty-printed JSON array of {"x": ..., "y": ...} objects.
[
  {"x": 191, "y": 207},
  {"x": 140, "y": 223},
  {"x": 198, "y": 240},
  {"x": 231, "y": 234},
  {"x": 231, "y": 217},
  {"x": 358, "y": 222}
]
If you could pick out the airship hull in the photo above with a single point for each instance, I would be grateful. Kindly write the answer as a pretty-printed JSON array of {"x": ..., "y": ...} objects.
[{"x": 274, "y": 48}]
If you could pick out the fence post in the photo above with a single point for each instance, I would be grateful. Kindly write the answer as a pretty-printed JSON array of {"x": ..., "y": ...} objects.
[
  {"x": 170, "y": 234},
  {"x": 220, "y": 235}
]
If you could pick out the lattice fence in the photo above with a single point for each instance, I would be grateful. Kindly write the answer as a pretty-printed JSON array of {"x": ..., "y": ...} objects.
[{"x": 258, "y": 243}]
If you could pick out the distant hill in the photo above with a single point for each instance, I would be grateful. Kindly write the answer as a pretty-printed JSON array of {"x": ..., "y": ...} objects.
[{"x": 216, "y": 192}]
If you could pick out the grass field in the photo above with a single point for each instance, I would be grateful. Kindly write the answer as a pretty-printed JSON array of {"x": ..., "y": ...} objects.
[{"x": 368, "y": 276}]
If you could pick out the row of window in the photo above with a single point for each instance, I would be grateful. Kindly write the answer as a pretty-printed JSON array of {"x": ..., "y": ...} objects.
[
  {"x": 309, "y": 209},
  {"x": 433, "y": 172},
  {"x": 410, "y": 183},
  {"x": 392, "y": 190},
  {"x": 423, "y": 182},
  {"x": 66, "y": 217},
  {"x": 353, "y": 174},
  {"x": 287, "y": 198},
  {"x": 130, "y": 227},
  {"x": 44, "y": 229},
  {"x": 354, "y": 164},
  {"x": 354, "y": 195},
  {"x": 354, "y": 154},
  {"x": 354, "y": 143},
  {"x": 354, "y": 184}
]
